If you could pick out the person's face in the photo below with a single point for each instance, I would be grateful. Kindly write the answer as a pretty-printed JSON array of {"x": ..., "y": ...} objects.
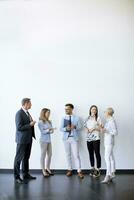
[
  {"x": 47, "y": 114},
  {"x": 28, "y": 105},
  {"x": 68, "y": 110},
  {"x": 106, "y": 113},
  {"x": 93, "y": 111}
]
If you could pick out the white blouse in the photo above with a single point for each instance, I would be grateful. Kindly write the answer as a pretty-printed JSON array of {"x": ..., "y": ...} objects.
[
  {"x": 90, "y": 123},
  {"x": 110, "y": 131}
]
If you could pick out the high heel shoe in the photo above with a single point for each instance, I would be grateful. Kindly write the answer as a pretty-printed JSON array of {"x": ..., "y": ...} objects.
[
  {"x": 106, "y": 180},
  {"x": 49, "y": 172},
  {"x": 45, "y": 173}
]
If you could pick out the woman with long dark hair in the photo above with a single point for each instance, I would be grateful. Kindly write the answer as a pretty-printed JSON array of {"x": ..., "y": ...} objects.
[{"x": 93, "y": 126}]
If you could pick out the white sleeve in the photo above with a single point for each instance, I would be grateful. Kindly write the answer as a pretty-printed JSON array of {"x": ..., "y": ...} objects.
[
  {"x": 79, "y": 125},
  {"x": 113, "y": 128}
]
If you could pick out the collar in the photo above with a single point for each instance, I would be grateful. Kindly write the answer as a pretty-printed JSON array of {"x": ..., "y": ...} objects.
[
  {"x": 69, "y": 115},
  {"x": 24, "y": 110},
  {"x": 109, "y": 119}
]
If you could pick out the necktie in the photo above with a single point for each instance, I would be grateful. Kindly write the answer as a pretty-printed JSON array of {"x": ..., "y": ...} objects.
[{"x": 28, "y": 114}]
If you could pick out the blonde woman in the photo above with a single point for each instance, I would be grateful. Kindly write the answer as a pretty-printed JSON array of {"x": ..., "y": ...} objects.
[
  {"x": 109, "y": 130},
  {"x": 46, "y": 129}
]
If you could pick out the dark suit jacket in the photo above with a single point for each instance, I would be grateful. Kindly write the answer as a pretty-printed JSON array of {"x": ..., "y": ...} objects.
[{"x": 24, "y": 132}]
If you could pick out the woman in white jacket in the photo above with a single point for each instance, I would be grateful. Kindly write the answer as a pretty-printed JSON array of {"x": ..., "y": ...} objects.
[{"x": 109, "y": 130}]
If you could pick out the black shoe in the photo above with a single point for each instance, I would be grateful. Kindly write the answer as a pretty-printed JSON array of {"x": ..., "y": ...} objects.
[
  {"x": 25, "y": 181},
  {"x": 29, "y": 177},
  {"x": 19, "y": 181}
]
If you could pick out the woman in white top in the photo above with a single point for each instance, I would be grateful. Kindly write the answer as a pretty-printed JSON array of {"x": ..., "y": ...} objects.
[
  {"x": 93, "y": 127},
  {"x": 45, "y": 127},
  {"x": 109, "y": 130}
]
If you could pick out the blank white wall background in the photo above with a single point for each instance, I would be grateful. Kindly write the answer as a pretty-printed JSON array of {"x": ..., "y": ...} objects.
[{"x": 67, "y": 51}]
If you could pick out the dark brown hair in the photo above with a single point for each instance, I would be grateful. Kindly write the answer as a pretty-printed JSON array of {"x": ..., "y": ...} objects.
[
  {"x": 96, "y": 115},
  {"x": 70, "y": 105}
]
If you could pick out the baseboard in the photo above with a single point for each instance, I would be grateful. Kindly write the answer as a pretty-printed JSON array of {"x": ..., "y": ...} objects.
[{"x": 63, "y": 171}]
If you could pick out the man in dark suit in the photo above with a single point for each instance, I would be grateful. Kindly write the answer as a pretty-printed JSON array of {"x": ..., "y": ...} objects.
[{"x": 24, "y": 134}]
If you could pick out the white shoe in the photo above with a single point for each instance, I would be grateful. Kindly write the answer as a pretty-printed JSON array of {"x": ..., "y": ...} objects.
[
  {"x": 113, "y": 175},
  {"x": 106, "y": 180}
]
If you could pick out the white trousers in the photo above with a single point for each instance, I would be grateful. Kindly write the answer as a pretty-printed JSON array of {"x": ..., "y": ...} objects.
[
  {"x": 109, "y": 159},
  {"x": 46, "y": 154},
  {"x": 72, "y": 147}
]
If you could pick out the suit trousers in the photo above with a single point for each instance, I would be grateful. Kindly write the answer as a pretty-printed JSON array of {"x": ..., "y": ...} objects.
[{"x": 23, "y": 152}]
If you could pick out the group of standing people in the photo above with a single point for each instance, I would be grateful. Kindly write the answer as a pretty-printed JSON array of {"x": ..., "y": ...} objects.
[{"x": 71, "y": 126}]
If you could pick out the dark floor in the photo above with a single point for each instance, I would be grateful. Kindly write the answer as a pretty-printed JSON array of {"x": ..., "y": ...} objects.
[{"x": 60, "y": 187}]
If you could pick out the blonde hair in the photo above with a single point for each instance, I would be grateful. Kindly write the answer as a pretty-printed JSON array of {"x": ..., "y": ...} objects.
[
  {"x": 43, "y": 115},
  {"x": 110, "y": 111}
]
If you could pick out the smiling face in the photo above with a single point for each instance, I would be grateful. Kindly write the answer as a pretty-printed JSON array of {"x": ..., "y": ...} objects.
[
  {"x": 109, "y": 112},
  {"x": 68, "y": 110},
  {"x": 47, "y": 114},
  {"x": 93, "y": 111},
  {"x": 106, "y": 113},
  {"x": 27, "y": 105}
]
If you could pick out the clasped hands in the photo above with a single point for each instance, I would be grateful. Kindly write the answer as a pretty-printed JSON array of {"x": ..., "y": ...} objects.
[
  {"x": 70, "y": 127},
  {"x": 99, "y": 128}
]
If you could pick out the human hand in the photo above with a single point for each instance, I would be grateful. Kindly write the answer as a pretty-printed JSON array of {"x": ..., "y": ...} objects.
[
  {"x": 32, "y": 123},
  {"x": 73, "y": 127},
  {"x": 68, "y": 128}
]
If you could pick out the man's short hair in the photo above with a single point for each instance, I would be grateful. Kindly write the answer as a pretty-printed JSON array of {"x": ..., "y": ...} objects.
[
  {"x": 70, "y": 105},
  {"x": 25, "y": 100}
]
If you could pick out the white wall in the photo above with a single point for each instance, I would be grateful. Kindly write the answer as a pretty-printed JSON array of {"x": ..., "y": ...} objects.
[{"x": 60, "y": 51}]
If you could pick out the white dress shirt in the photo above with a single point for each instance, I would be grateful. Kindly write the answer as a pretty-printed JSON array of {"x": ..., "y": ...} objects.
[{"x": 25, "y": 111}]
